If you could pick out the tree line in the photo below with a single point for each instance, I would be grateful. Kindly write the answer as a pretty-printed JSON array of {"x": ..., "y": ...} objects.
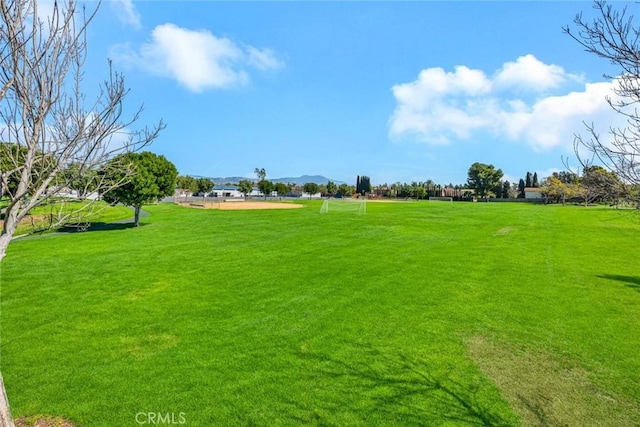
[
  {"x": 204, "y": 186},
  {"x": 484, "y": 181},
  {"x": 595, "y": 185}
]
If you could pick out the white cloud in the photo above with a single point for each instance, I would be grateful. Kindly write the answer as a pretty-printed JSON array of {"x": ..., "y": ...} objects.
[
  {"x": 197, "y": 59},
  {"x": 126, "y": 12},
  {"x": 434, "y": 83},
  {"x": 440, "y": 107},
  {"x": 528, "y": 72},
  {"x": 554, "y": 119},
  {"x": 263, "y": 59}
]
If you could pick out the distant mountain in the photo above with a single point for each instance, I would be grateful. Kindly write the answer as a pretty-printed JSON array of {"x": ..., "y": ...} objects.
[
  {"x": 301, "y": 180},
  {"x": 229, "y": 180}
]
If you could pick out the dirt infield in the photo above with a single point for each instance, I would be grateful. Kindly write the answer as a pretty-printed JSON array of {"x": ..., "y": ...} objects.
[{"x": 237, "y": 206}]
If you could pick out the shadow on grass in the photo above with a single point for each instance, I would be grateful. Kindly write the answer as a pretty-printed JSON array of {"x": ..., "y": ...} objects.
[
  {"x": 99, "y": 226},
  {"x": 632, "y": 282},
  {"x": 106, "y": 226},
  {"x": 394, "y": 389}
]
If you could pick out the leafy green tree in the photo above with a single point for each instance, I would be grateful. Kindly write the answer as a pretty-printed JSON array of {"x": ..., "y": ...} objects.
[
  {"x": 528, "y": 180},
  {"x": 419, "y": 192},
  {"x": 332, "y": 188},
  {"x": 567, "y": 177},
  {"x": 311, "y": 188},
  {"x": 266, "y": 187},
  {"x": 521, "y": 187},
  {"x": 404, "y": 190},
  {"x": 394, "y": 189},
  {"x": 599, "y": 184},
  {"x": 363, "y": 185},
  {"x": 506, "y": 189},
  {"x": 282, "y": 189},
  {"x": 245, "y": 187},
  {"x": 205, "y": 185},
  {"x": 483, "y": 179},
  {"x": 497, "y": 190},
  {"x": 345, "y": 190},
  {"x": 534, "y": 180},
  {"x": 555, "y": 190},
  {"x": 435, "y": 190},
  {"x": 153, "y": 178},
  {"x": 188, "y": 183}
]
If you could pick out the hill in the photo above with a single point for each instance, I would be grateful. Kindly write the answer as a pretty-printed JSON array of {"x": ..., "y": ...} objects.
[{"x": 301, "y": 180}]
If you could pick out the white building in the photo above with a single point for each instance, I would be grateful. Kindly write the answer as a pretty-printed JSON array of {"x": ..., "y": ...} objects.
[
  {"x": 311, "y": 196},
  {"x": 73, "y": 194},
  {"x": 232, "y": 192},
  {"x": 533, "y": 193}
]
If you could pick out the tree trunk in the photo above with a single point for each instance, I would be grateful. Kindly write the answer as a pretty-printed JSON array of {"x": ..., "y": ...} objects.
[
  {"x": 136, "y": 218},
  {"x": 5, "y": 413},
  {"x": 8, "y": 228},
  {"x": 5, "y": 239}
]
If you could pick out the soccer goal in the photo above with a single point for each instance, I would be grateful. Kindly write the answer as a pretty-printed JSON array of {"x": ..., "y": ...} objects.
[
  {"x": 441, "y": 199},
  {"x": 356, "y": 206}
]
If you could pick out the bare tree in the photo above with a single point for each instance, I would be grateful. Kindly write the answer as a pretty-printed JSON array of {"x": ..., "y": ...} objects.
[
  {"x": 46, "y": 121},
  {"x": 612, "y": 36}
]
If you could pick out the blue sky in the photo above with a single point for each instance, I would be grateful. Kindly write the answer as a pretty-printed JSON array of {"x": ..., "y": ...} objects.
[{"x": 398, "y": 91}]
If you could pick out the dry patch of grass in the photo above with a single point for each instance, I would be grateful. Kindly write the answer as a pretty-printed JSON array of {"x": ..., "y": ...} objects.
[
  {"x": 156, "y": 288},
  {"x": 141, "y": 348},
  {"x": 546, "y": 391},
  {"x": 33, "y": 220},
  {"x": 504, "y": 230},
  {"x": 43, "y": 421}
]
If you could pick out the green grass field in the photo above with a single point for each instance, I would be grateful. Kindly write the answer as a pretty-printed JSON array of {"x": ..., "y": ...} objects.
[{"x": 414, "y": 314}]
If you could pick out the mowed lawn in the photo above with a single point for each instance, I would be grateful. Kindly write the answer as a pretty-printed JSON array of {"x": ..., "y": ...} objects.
[{"x": 416, "y": 313}]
